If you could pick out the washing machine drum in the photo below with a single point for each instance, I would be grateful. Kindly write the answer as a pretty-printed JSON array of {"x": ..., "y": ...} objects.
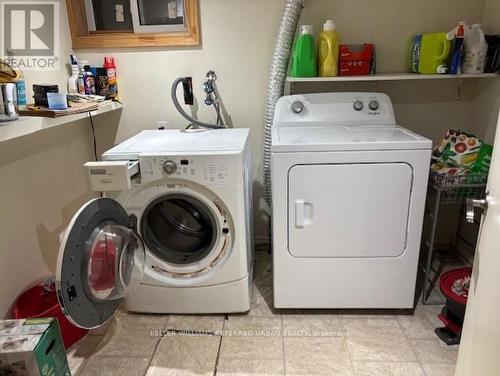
[{"x": 179, "y": 229}]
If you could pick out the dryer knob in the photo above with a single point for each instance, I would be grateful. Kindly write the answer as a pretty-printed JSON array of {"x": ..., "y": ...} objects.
[
  {"x": 358, "y": 105},
  {"x": 374, "y": 105},
  {"x": 170, "y": 167},
  {"x": 297, "y": 107}
]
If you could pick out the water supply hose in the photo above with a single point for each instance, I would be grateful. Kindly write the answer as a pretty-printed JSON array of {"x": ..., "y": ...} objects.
[
  {"x": 184, "y": 114},
  {"x": 277, "y": 77}
]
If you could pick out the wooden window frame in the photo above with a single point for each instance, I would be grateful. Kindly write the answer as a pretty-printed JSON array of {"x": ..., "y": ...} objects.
[{"x": 83, "y": 39}]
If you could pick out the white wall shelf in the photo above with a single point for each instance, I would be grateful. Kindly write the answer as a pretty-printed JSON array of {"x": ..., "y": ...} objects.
[
  {"x": 27, "y": 125},
  {"x": 391, "y": 77}
]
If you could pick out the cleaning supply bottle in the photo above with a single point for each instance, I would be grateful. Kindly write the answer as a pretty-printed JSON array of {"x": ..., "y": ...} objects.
[
  {"x": 475, "y": 50},
  {"x": 458, "y": 34},
  {"x": 109, "y": 65},
  {"x": 73, "y": 79},
  {"x": 81, "y": 73},
  {"x": 304, "y": 54},
  {"x": 21, "y": 89},
  {"x": 88, "y": 81},
  {"x": 328, "y": 50}
]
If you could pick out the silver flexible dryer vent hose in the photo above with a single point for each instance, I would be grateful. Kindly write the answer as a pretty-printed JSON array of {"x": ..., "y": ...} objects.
[{"x": 277, "y": 77}]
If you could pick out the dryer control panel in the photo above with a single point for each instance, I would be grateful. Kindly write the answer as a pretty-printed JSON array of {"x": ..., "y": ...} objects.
[
  {"x": 334, "y": 109},
  {"x": 203, "y": 169}
]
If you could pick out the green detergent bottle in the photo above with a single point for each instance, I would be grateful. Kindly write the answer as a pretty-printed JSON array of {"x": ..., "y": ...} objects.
[{"x": 304, "y": 54}]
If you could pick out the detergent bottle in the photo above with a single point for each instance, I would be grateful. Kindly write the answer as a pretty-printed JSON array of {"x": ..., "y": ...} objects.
[
  {"x": 458, "y": 36},
  {"x": 475, "y": 50},
  {"x": 304, "y": 54},
  {"x": 328, "y": 50}
]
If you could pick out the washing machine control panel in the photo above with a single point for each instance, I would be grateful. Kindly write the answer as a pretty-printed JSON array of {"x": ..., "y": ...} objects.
[
  {"x": 170, "y": 167},
  {"x": 203, "y": 169}
]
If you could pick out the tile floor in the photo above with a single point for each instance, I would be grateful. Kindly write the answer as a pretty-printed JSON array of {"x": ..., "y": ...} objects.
[{"x": 352, "y": 343}]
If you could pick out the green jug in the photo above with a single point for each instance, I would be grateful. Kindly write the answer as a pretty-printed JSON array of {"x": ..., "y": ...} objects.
[{"x": 304, "y": 54}]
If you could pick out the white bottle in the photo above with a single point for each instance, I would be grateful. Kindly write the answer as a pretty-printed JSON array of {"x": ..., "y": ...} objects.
[
  {"x": 475, "y": 47},
  {"x": 73, "y": 80}
]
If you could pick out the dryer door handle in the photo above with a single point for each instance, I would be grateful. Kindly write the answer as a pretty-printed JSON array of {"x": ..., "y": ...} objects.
[{"x": 303, "y": 213}]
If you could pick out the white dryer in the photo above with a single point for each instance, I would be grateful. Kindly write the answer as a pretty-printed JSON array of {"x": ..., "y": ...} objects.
[
  {"x": 172, "y": 235},
  {"x": 348, "y": 191}
]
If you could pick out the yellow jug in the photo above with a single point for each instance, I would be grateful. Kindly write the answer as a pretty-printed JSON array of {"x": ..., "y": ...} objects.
[{"x": 328, "y": 51}]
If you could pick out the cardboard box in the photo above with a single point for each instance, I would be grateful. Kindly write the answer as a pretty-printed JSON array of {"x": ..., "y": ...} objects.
[
  {"x": 32, "y": 347},
  {"x": 356, "y": 60}
]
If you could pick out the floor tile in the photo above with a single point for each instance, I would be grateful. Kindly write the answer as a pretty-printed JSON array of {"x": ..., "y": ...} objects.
[
  {"x": 318, "y": 368},
  {"x": 418, "y": 325},
  {"x": 208, "y": 323},
  {"x": 315, "y": 349},
  {"x": 100, "y": 331},
  {"x": 253, "y": 323},
  {"x": 316, "y": 356},
  {"x": 112, "y": 366},
  {"x": 185, "y": 356},
  {"x": 375, "y": 339},
  {"x": 371, "y": 326},
  {"x": 262, "y": 301},
  {"x": 322, "y": 325},
  {"x": 250, "y": 367},
  {"x": 434, "y": 351},
  {"x": 241, "y": 347},
  {"x": 387, "y": 369},
  {"x": 439, "y": 369},
  {"x": 132, "y": 335},
  {"x": 432, "y": 312},
  {"x": 80, "y": 351}
]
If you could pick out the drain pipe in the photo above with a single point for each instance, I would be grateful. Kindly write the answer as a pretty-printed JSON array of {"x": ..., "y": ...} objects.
[{"x": 277, "y": 77}]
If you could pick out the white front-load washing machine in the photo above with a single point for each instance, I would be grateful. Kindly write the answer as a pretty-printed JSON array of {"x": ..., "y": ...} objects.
[
  {"x": 173, "y": 233},
  {"x": 348, "y": 196}
]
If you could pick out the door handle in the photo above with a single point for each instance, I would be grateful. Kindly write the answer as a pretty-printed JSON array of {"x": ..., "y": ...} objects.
[
  {"x": 471, "y": 204},
  {"x": 303, "y": 213},
  {"x": 299, "y": 213}
]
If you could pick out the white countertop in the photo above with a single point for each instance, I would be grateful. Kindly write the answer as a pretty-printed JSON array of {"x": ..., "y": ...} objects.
[{"x": 30, "y": 124}]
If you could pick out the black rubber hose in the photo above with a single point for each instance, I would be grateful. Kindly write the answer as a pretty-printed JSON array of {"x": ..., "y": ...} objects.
[{"x": 184, "y": 114}]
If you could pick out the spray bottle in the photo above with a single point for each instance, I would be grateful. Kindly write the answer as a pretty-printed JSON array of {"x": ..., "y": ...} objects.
[
  {"x": 73, "y": 79},
  {"x": 109, "y": 65},
  {"x": 20, "y": 89}
]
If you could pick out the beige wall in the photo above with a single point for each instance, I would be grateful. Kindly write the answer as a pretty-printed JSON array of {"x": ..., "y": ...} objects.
[
  {"x": 487, "y": 93},
  {"x": 42, "y": 187},
  {"x": 237, "y": 41}
]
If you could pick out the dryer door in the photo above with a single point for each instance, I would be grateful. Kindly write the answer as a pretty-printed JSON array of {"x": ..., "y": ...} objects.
[
  {"x": 100, "y": 258},
  {"x": 349, "y": 210}
]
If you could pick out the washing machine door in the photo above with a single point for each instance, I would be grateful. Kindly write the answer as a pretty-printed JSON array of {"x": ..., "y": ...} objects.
[{"x": 101, "y": 256}]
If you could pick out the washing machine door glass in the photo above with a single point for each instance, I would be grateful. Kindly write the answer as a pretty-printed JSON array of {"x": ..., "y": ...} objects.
[
  {"x": 179, "y": 229},
  {"x": 100, "y": 258}
]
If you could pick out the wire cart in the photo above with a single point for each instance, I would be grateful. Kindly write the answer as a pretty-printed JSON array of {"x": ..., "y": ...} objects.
[{"x": 446, "y": 189}]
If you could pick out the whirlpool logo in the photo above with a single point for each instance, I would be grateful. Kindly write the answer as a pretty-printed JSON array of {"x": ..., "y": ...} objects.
[{"x": 30, "y": 34}]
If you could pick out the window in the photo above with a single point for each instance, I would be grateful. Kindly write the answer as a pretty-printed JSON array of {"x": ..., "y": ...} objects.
[{"x": 133, "y": 23}]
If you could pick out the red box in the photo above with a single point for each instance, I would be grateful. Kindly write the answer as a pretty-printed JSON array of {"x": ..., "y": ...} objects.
[{"x": 356, "y": 59}]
